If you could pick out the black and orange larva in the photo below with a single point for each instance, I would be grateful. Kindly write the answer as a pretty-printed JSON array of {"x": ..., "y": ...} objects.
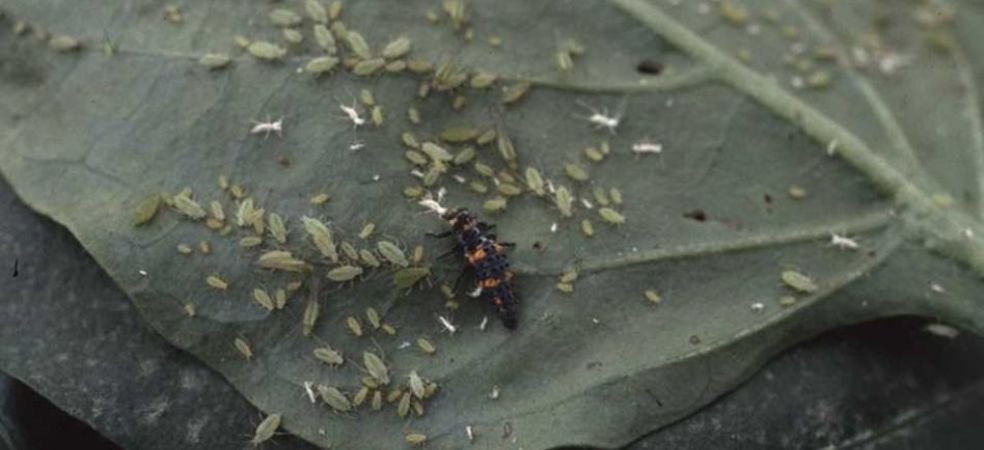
[{"x": 487, "y": 257}]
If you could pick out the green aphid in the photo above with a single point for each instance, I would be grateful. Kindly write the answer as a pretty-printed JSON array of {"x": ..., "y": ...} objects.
[
  {"x": 284, "y": 17},
  {"x": 368, "y": 258},
  {"x": 344, "y": 273},
  {"x": 408, "y": 277},
  {"x": 534, "y": 181},
  {"x": 575, "y": 172},
  {"x": 494, "y": 205},
  {"x": 321, "y": 64},
  {"x": 515, "y": 92},
  {"x": 293, "y": 36},
  {"x": 397, "y": 48},
  {"x": 316, "y": 11},
  {"x": 325, "y": 39},
  {"x": 587, "y": 228},
  {"x": 457, "y": 135},
  {"x": 611, "y": 216},
  {"x": 214, "y": 61},
  {"x": 368, "y": 66},
  {"x": 798, "y": 282},
  {"x": 358, "y": 45},
  {"x": 266, "y": 51},
  {"x": 464, "y": 156},
  {"x": 392, "y": 253},
  {"x": 482, "y": 80},
  {"x": 147, "y": 209}
]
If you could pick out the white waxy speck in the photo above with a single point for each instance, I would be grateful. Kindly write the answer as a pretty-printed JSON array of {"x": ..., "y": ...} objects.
[
  {"x": 843, "y": 242},
  {"x": 476, "y": 292},
  {"x": 310, "y": 392},
  {"x": 460, "y": 179},
  {"x": 470, "y": 433},
  {"x": 142, "y": 272},
  {"x": 553, "y": 227},
  {"x": 485, "y": 322},
  {"x": 646, "y": 146},
  {"x": 586, "y": 203},
  {"x": 758, "y": 307},
  {"x": 447, "y": 324},
  {"x": 595, "y": 320},
  {"x": 404, "y": 344},
  {"x": 935, "y": 287},
  {"x": 832, "y": 147},
  {"x": 376, "y": 177},
  {"x": 968, "y": 233},
  {"x": 942, "y": 330},
  {"x": 495, "y": 392},
  {"x": 268, "y": 127}
]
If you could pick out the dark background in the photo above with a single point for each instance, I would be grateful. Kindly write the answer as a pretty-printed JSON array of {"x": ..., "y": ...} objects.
[{"x": 71, "y": 341}]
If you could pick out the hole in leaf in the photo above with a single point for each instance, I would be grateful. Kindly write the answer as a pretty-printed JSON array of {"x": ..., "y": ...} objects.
[
  {"x": 698, "y": 214},
  {"x": 649, "y": 67}
]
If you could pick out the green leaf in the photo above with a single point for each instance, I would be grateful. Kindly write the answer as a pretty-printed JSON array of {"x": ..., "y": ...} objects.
[{"x": 743, "y": 110}]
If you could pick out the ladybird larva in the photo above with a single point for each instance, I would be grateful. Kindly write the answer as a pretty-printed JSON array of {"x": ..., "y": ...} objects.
[
  {"x": 214, "y": 61},
  {"x": 321, "y": 64},
  {"x": 358, "y": 45},
  {"x": 243, "y": 347},
  {"x": 376, "y": 368},
  {"x": 406, "y": 278},
  {"x": 799, "y": 282},
  {"x": 263, "y": 299},
  {"x": 147, "y": 209},
  {"x": 316, "y": 11},
  {"x": 284, "y": 17},
  {"x": 266, "y": 51},
  {"x": 426, "y": 346},
  {"x": 281, "y": 260},
  {"x": 329, "y": 356},
  {"x": 397, "y": 48},
  {"x": 515, "y": 92},
  {"x": 611, "y": 216},
  {"x": 354, "y": 326},
  {"x": 310, "y": 317},
  {"x": 216, "y": 282},
  {"x": 564, "y": 201},
  {"x": 266, "y": 429}
]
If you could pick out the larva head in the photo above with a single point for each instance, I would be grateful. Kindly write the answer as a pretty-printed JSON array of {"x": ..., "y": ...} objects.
[{"x": 460, "y": 219}]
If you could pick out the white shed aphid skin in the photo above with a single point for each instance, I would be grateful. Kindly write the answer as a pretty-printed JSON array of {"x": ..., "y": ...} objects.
[
  {"x": 268, "y": 127},
  {"x": 647, "y": 146},
  {"x": 485, "y": 322},
  {"x": 309, "y": 391},
  {"x": 843, "y": 242},
  {"x": 601, "y": 118},
  {"x": 476, "y": 292},
  {"x": 352, "y": 114},
  {"x": 447, "y": 324}
]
